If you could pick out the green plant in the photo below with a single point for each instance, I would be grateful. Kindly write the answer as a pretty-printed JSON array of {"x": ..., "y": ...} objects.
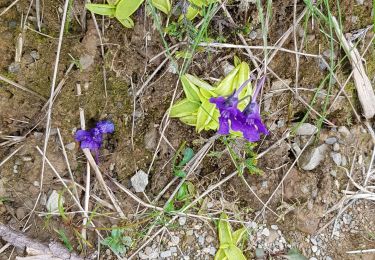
[
  {"x": 229, "y": 240},
  {"x": 117, "y": 242},
  {"x": 187, "y": 154},
  {"x": 196, "y": 109},
  {"x": 123, "y": 9},
  {"x": 64, "y": 239}
]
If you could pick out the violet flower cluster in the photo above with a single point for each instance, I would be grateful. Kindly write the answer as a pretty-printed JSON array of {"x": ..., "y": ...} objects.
[
  {"x": 247, "y": 121},
  {"x": 93, "y": 138}
]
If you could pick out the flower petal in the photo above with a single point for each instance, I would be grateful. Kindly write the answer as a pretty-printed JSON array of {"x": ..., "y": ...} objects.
[
  {"x": 251, "y": 134},
  {"x": 223, "y": 126},
  {"x": 82, "y": 135},
  {"x": 105, "y": 127},
  {"x": 90, "y": 144}
]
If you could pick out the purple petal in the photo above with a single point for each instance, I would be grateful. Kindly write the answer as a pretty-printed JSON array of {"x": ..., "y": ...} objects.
[
  {"x": 105, "y": 127},
  {"x": 223, "y": 126},
  {"x": 219, "y": 102},
  {"x": 82, "y": 135},
  {"x": 251, "y": 134},
  {"x": 90, "y": 144}
]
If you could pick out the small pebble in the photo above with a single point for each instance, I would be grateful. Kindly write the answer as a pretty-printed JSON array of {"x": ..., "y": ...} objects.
[
  {"x": 259, "y": 253},
  {"x": 331, "y": 140},
  {"x": 336, "y": 157},
  {"x": 148, "y": 250},
  {"x": 306, "y": 129},
  {"x": 14, "y": 67},
  {"x": 182, "y": 220},
  {"x": 70, "y": 146},
  {"x": 336, "y": 147},
  {"x": 165, "y": 254},
  {"x": 266, "y": 232},
  {"x": 35, "y": 55},
  {"x": 274, "y": 227},
  {"x": 27, "y": 158},
  {"x": 173, "y": 249},
  {"x": 344, "y": 131}
]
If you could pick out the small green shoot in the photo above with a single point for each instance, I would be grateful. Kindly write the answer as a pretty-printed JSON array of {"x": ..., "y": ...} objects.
[
  {"x": 187, "y": 154},
  {"x": 294, "y": 254},
  {"x": 229, "y": 241},
  {"x": 64, "y": 239},
  {"x": 117, "y": 242}
]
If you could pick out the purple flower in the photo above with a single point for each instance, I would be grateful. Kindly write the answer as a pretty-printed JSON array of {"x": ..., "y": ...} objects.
[
  {"x": 249, "y": 121},
  {"x": 93, "y": 138},
  {"x": 228, "y": 108}
]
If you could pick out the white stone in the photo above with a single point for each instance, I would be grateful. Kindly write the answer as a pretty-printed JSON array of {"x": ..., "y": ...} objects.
[
  {"x": 266, "y": 232},
  {"x": 182, "y": 221},
  {"x": 139, "y": 181},
  {"x": 336, "y": 157},
  {"x": 315, "y": 157},
  {"x": 165, "y": 254},
  {"x": 274, "y": 227},
  {"x": 52, "y": 204},
  {"x": 306, "y": 129}
]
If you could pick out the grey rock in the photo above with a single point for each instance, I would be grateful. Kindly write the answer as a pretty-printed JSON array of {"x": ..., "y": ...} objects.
[
  {"x": 142, "y": 256},
  {"x": 253, "y": 35},
  {"x": 53, "y": 201},
  {"x": 331, "y": 140},
  {"x": 336, "y": 147},
  {"x": 227, "y": 67},
  {"x": 175, "y": 240},
  {"x": 149, "y": 250},
  {"x": 173, "y": 249},
  {"x": 344, "y": 161},
  {"x": 70, "y": 146},
  {"x": 336, "y": 157},
  {"x": 314, "y": 157},
  {"x": 14, "y": 67},
  {"x": 212, "y": 251},
  {"x": 313, "y": 258},
  {"x": 266, "y": 232},
  {"x": 139, "y": 181},
  {"x": 165, "y": 254},
  {"x": 359, "y": 2},
  {"x": 182, "y": 221},
  {"x": 35, "y": 55},
  {"x": 201, "y": 240},
  {"x": 314, "y": 249},
  {"x": 328, "y": 258},
  {"x": 313, "y": 241},
  {"x": 306, "y": 129},
  {"x": 274, "y": 227},
  {"x": 344, "y": 131},
  {"x": 259, "y": 253}
]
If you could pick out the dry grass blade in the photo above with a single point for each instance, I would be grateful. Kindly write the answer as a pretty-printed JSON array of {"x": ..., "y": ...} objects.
[
  {"x": 10, "y": 6},
  {"x": 362, "y": 82}
]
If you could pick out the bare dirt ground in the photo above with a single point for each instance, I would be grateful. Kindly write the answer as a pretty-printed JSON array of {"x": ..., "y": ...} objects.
[{"x": 324, "y": 212}]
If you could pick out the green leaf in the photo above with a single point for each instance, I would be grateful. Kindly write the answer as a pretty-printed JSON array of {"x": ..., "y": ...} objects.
[
  {"x": 188, "y": 153},
  {"x": 180, "y": 173},
  {"x": 238, "y": 235},
  {"x": 102, "y": 9},
  {"x": 206, "y": 94},
  {"x": 65, "y": 239},
  {"x": 189, "y": 120},
  {"x": 182, "y": 193},
  {"x": 220, "y": 255},
  {"x": 294, "y": 254},
  {"x": 125, "y": 8},
  {"x": 184, "y": 108},
  {"x": 162, "y": 5},
  {"x": 225, "y": 231},
  {"x": 191, "y": 91},
  {"x": 205, "y": 115},
  {"x": 126, "y": 22},
  {"x": 226, "y": 86},
  {"x": 199, "y": 83},
  {"x": 236, "y": 60},
  {"x": 169, "y": 207},
  {"x": 116, "y": 232},
  {"x": 190, "y": 14},
  {"x": 234, "y": 253}
]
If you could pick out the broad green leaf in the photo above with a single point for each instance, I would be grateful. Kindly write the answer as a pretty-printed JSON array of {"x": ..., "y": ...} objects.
[
  {"x": 113, "y": 2},
  {"x": 205, "y": 114},
  {"x": 162, "y": 5},
  {"x": 190, "y": 14},
  {"x": 191, "y": 91},
  {"x": 226, "y": 86},
  {"x": 220, "y": 255},
  {"x": 184, "y": 108},
  {"x": 214, "y": 123},
  {"x": 199, "y": 83},
  {"x": 125, "y": 8},
  {"x": 127, "y": 22},
  {"x": 102, "y": 9},
  {"x": 207, "y": 94},
  {"x": 180, "y": 173},
  {"x": 243, "y": 75},
  {"x": 189, "y": 120},
  {"x": 225, "y": 231},
  {"x": 238, "y": 235},
  {"x": 234, "y": 253},
  {"x": 169, "y": 207}
]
